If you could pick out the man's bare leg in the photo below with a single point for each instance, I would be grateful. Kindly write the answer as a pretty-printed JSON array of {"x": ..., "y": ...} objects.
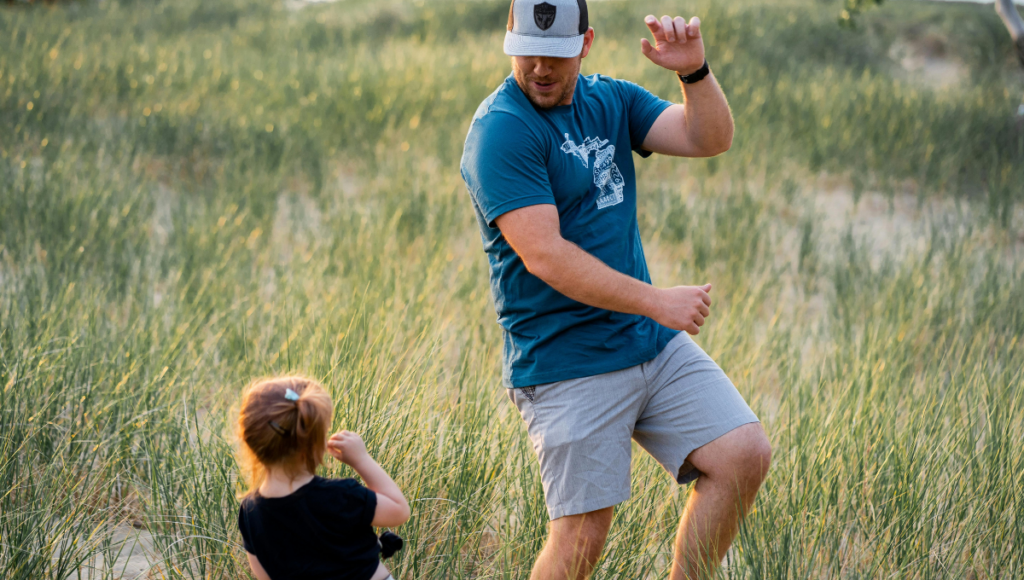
[
  {"x": 733, "y": 468},
  {"x": 574, "y": 545}
]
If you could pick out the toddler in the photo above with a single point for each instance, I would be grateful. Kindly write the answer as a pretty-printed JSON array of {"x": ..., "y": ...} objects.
[{"x": 296, "y": 524}]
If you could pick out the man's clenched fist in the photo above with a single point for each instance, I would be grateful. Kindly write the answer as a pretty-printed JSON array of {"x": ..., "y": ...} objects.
[{"x": 683, "y": 307}]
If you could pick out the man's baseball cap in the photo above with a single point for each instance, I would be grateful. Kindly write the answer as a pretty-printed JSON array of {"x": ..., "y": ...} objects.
[{"x": 546, "y": 28}]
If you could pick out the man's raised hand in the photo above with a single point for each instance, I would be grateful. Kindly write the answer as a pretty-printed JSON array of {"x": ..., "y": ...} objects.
[{"x": 678, "y": 46}]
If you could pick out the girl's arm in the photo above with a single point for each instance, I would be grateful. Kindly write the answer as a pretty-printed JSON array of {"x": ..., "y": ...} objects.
[
  {"x": 257, "y": 568},
  {"x": 392, "y": 508}
]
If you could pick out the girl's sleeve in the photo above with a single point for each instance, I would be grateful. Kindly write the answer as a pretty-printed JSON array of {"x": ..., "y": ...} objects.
[
  {"x": 358, "y": 504},
  {"x": 243, "y": 527},
  {"x": 369, "y": 505}
]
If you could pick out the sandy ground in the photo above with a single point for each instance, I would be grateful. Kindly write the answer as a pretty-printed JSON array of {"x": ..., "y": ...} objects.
[
  {"x": 899, "y": 222},
  {"x": 131, "y": 557},
  {"x": 300, "y": 4},
  {"x": 927, "y": 66}
]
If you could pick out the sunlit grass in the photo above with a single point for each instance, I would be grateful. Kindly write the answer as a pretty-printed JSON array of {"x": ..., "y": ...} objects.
[{"x": 196, "y": 194}]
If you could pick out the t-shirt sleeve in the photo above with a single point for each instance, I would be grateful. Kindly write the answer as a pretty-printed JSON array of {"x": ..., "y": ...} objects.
[
  {"x": 357, "y": 504},
  {"x": 643, "y": 109},
  {"x": 243, "y": 527},
  {"x": 368, "y": 499},
  {"x": 504, "y": 166}
]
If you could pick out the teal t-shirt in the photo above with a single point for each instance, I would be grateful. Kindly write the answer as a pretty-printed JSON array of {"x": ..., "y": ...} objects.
[{"x": 578, "y": 158}]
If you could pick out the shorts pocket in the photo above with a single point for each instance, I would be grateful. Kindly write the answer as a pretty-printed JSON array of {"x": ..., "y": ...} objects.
[{"x": 522, "y": 394}]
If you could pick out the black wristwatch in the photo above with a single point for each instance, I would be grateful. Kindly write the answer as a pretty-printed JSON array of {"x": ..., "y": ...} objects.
[{"x": 696, "y": 75}]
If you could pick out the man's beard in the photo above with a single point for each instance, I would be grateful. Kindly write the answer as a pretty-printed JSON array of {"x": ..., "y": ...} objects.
[{"x": 549, "y": 102}]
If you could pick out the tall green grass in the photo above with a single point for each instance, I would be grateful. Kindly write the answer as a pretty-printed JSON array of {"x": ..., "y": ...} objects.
[{"x": 194, "y": 194}]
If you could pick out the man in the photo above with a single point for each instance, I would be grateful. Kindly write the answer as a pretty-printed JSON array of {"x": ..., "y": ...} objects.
[{"x": 593, "y": 354}]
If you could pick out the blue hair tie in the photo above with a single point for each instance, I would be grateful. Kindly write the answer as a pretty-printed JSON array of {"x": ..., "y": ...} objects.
[{"x": 291, "y": 395}]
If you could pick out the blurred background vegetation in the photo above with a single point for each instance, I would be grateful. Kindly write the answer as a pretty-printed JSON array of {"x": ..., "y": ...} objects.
[{"x": 194, "y": 194}]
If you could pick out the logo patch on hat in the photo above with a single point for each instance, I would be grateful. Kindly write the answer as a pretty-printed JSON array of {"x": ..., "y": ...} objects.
[{"x": 544, "y": 15}]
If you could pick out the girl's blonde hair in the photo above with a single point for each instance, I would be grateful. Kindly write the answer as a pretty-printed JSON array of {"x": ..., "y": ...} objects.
[{"x": 279, "y": 432}]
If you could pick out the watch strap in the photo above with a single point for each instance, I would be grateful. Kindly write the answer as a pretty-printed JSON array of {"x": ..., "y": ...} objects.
[{"x": 696, "y": 75}]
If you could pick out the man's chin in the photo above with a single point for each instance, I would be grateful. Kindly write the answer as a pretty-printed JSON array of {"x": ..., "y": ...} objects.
[{"x": 543, "y": 101}]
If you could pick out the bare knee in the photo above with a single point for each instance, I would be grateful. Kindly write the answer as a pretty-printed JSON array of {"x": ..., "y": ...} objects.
[
  {"x": 743, "y": 456},
  {"x": 754, "y": 453},
  {"x": 758, "y": 457}
]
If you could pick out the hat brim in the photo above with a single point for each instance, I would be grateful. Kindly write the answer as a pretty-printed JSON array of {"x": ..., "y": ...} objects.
[{"x": 553, "y": 46}]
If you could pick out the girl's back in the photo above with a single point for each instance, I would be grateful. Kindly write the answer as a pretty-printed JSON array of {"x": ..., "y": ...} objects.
[{"x": 322, "y": 530}]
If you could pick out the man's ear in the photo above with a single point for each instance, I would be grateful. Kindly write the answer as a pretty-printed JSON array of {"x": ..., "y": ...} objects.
[{"x": 588, "y": 41}]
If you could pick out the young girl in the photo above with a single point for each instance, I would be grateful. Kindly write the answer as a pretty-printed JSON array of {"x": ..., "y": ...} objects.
[{"x": 298, "y": 525}]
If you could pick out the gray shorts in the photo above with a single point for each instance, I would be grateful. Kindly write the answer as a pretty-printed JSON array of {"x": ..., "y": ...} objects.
[{"x": 580, "y": 428}]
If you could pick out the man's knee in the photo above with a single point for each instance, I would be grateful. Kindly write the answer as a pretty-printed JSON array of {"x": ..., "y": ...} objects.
[
  {"x": 758, "y": 458},
  {"x": 743, "y": 455}
]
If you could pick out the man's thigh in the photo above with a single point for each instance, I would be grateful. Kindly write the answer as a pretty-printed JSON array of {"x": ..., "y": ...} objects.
[
  {"x": 691, "y": 403},
  {"x": 580, "y": 430}
]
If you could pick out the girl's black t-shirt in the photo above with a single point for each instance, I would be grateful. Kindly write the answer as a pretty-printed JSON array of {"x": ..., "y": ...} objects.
[{"x": 323, "y": 530}]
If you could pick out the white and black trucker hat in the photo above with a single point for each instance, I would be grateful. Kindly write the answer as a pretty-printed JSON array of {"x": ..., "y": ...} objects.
[{"x": 546, "y": 28}]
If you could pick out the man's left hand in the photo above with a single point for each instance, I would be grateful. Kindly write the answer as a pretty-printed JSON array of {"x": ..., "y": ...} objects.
[{"x": 678, "y": 45}]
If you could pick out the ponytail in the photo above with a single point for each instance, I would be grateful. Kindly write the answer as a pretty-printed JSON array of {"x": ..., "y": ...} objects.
[{"x": 283, "y": 423}]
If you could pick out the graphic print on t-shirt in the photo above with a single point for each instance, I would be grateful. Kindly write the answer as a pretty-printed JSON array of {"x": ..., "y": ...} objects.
[{"x": 607, "y": 176}]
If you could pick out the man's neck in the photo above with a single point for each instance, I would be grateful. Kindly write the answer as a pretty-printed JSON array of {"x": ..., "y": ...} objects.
[{"x": 572, "y": 92}]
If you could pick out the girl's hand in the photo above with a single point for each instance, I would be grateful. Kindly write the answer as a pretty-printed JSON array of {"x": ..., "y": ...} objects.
[
  {"x": 348, "y": 448},
  {"x": 392, "y": 507}
]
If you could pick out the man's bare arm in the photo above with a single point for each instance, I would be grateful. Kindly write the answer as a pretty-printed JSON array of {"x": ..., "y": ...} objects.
[
  {"x": 534, "y": 233},
  {"x": 702, "y": 126}
]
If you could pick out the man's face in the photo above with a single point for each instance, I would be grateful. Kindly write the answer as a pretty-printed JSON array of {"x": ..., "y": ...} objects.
[{"x": 548, "y": 81}]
